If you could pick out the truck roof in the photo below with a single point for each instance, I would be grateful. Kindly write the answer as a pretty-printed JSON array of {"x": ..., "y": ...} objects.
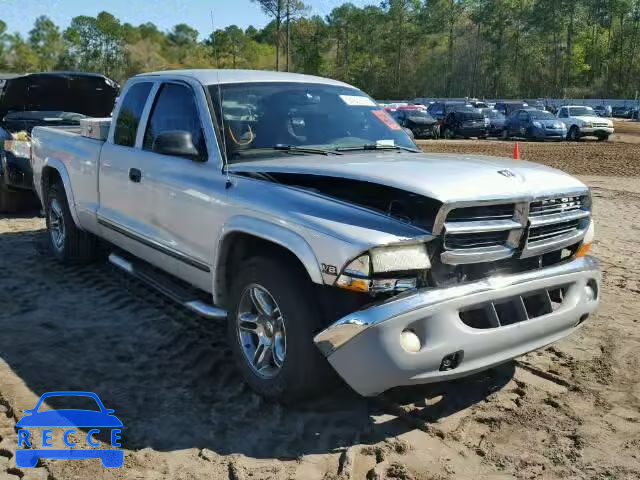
[{"x": 221, "y": 76}]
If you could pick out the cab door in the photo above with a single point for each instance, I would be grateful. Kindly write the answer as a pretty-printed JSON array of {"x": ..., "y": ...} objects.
[
  {"x": 119, "y": 200},
  {"x": 183, "y": 188}
]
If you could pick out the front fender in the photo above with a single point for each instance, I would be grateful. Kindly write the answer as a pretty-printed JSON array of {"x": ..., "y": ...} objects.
[
  {"x": 58, "y": 166},
  {"x": 272, "y": 232}
]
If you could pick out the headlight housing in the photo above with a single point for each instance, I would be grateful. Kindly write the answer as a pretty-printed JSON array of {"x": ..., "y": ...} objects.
[
  {"x": 587, "y": 124},
  {"x": 392, "y": 268},
  {"x": 587, "y": 241}
]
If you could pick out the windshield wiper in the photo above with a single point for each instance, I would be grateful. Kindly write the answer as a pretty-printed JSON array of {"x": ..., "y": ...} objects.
[
  {"x": 375, "y": 146},
  {"x": 297, "y": 149}
]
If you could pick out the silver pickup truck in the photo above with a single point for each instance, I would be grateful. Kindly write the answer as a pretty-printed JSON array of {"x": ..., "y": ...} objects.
[{"x": 295, "y": 208}]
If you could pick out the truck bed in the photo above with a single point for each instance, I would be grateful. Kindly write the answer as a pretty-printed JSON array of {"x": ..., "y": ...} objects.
[{"x": 79, "y": 156}]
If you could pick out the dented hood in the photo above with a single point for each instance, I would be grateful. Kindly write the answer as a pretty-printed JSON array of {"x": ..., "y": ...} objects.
[{"x": 444, "y": 177}]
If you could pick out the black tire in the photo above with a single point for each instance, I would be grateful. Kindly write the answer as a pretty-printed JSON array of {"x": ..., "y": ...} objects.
[
  {"x": 573, "y": 134},
  {"x": 603, "y": 138},
  {"x": 9, "y": 200},
  {"x": 448, "y": 134},
  {"x": 304, "y": 371},
  {"x": 505, "y": 134},
  {"x": 74, "y": 246}
]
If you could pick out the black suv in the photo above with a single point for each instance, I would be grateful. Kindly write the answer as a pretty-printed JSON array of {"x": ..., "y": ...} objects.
[
  {"x": 459, "y": 119},
  {"x": 417, "y": 120}
]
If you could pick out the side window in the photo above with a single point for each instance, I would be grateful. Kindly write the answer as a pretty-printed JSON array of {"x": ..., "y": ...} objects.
[
  {"x": 523, "y": 116},
  {"x": 175, "y": 110},
  {"x": 130, "y": 113},
  {"x": 563, "y": 113}
]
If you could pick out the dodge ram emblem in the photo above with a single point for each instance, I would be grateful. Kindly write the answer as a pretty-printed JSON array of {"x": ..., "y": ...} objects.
[{"x": 507, "y": 173}]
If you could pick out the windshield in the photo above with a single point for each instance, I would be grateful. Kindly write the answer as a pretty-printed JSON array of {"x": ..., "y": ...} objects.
[
  {"x": 259, "y": 117},
  {"x": 541, "y": 115},
  {"x": 461, "y": 107},
  {"x": 491, "y": 113},
  {"x": 578, "y": 111}
]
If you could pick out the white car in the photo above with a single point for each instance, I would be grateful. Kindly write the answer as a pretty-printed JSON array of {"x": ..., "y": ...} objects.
[{"x": 583, "y": 121}]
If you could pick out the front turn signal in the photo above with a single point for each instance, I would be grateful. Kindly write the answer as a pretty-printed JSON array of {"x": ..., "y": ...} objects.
[{"x": 587, "y": 241}]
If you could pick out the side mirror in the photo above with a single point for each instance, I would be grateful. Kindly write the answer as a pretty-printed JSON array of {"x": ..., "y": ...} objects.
[{"x": 177, "y": 143}]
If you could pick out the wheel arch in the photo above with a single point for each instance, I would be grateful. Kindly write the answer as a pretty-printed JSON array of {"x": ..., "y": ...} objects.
[
  {"x": 52, "y": 172},
  {"x": 244, "y": 236}
]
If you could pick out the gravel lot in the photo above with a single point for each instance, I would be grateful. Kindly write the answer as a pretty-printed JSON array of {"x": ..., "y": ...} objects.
[{"x": 571, "y": 411}]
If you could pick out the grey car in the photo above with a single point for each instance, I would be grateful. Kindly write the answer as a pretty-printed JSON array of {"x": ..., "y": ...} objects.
[{"x": 534, "y": 124}]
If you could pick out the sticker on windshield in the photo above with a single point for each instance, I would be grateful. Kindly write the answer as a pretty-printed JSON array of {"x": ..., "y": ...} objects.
[
  {"x": 385, "y": 118},
  {"x": 357, "y": 101}
]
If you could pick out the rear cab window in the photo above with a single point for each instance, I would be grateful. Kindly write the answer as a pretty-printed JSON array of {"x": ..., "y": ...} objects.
[{"x": 129, "y": 114}]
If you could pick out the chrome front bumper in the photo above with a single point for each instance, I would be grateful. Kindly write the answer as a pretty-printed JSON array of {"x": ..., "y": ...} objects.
[{"x": 364, "y": 347}]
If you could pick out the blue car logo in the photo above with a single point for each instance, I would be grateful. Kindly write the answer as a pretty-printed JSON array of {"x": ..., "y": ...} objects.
[{"x": 28, "y": 456}]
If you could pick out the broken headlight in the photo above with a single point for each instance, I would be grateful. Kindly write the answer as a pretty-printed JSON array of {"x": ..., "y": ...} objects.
[{"x": 385, "y": 269}]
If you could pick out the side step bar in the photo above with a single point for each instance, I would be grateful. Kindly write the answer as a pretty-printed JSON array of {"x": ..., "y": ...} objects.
[{"x": 164, "y": 286}]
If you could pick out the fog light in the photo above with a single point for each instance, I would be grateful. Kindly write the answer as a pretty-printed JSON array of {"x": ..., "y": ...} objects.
[
  {"x": 410, "y": 341},
  {"x": 589, "y": 293}
]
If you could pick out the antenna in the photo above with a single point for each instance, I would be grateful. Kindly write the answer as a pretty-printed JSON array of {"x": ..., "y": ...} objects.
[{"x": 225, "y": 162}]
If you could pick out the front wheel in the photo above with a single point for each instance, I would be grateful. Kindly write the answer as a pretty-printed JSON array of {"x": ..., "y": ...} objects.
[
  {"x": 505, "y": 134},
  {"x": 574, "y": 134},
  {"x": 448, "y": 133},
  {"x": 603, "y": 138},
  {"x": 271, "y": 325},
  {"x": 68, "y": 243}
]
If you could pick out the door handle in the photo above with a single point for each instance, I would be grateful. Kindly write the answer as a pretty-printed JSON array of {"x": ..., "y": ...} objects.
[{"x": 135, "y": 175}]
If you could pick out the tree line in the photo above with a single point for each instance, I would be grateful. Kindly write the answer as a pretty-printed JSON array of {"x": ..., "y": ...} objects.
[{"x": 396, "y": 49}]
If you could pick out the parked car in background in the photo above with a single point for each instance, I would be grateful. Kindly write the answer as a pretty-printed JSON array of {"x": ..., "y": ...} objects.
[
  {"x": 506, "y": 107},
  {"x": 43, "y": 99},
  {"x": 464, "y": 121},
  {"x": 496, "y": 121},
  {"x": 582, "y": 121},
  {"x": 416, "y": 119},
  {"x": 537, "y": 104},
  {"x": 621, "y": 111},
  {"x": 534, "y": 124},
  {"x": 479, "y": 104},
  {"x": 603, "y": 110},
  {"x": 440, "y": 109}
]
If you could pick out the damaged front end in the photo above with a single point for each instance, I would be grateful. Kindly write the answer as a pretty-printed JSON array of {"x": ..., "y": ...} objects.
[
  {"x": 459, "y": 286},
  {"x": 494, "y": 282}
]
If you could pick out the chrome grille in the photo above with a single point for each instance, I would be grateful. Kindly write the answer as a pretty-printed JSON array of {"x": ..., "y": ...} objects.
[
  {"x": 482, "y": 212},
  {"x": 484, "y": 233},
  {"x": 555, "y": 205},
  {"x": 475, "y": 240},
  {"x": 548, "y": 231}
]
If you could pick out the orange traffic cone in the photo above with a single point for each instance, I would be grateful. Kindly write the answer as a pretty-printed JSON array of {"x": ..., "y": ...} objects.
[{"x": 516, "y": 151}]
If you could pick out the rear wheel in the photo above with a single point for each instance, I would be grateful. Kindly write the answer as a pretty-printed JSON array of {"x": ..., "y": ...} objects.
[
  {"x": 271, "y": 325},
  {"x": 68, "y": 243},
  {"x": 448, "y": 133}
]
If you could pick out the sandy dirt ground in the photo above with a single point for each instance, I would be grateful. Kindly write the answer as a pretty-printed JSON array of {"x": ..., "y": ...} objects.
[{"x": 570, "y": 411}]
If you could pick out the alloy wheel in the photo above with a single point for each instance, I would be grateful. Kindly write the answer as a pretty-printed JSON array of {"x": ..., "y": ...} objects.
[
  {"x": 57, "y": 229},
  {"x": 261, "y": 331}
]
